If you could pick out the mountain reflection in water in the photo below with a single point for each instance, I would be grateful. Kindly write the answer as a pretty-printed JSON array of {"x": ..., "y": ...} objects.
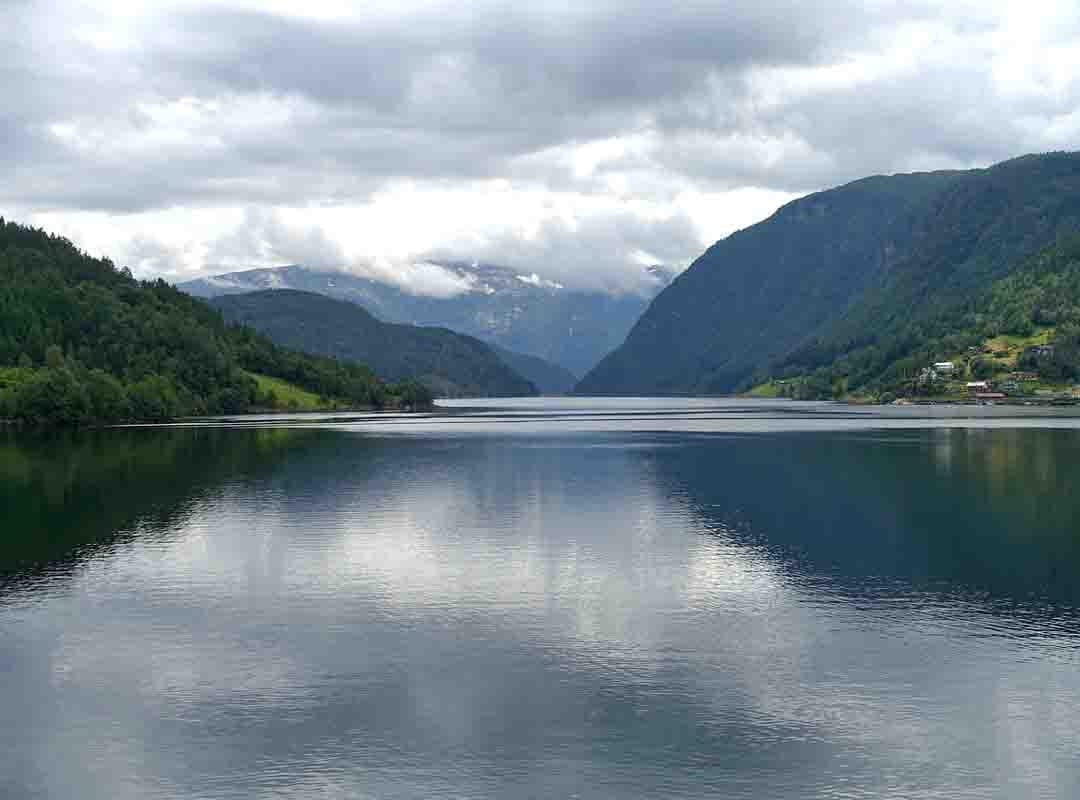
[{"x": 485, "y": 608}]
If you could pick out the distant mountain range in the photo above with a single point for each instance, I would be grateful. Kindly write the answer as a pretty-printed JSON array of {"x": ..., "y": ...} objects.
[
  {"x": 450, "y": 364},
  {"x": 852, "y": 289},
  {"x": 523, "y": 313}
]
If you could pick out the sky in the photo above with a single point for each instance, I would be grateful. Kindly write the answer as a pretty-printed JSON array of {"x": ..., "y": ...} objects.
[{"x": 576, "y": 140}]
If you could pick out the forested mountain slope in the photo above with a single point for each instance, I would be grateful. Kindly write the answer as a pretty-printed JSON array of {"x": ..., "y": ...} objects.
[
  {"x": 82, "y": 341},
  {"x": 450, "y": 364},
  {"x": 1025, "y": 323},
  {"x": 982, "y": 228},
  {"x": 839, "y": 281}
]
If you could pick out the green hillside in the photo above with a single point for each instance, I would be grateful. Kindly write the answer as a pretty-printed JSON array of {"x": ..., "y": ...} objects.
[
  {"x": 449, "y": 364},
  {"x": 1027, "y": 322},
  {"x": 82, "y": 341},
  {"x": 838, "y": 287},
  {"x": 756, "y": 295}
]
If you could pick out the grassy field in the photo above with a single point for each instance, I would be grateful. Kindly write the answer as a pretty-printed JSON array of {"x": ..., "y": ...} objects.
[
  {"x": 764, "y": 390},
  {"x": 287, "y": 396},
  {"x": 1003, "y": 351}
]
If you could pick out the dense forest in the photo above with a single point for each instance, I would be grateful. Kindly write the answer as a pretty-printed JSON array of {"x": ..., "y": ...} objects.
[
  {"x": 82, "y": 341},
  {"x": 754, "y": 296},
  {"x": 1038, "y": 301},
  {"x": 840, "y": 287},
  {"x": 449, "y": 364}
]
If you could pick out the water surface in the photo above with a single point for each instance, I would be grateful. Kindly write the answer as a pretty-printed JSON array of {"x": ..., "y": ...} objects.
[{"x": 600, "y": 599}]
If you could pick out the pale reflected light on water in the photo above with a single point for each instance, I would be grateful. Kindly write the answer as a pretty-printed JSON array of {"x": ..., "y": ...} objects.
[{"x": 716, "y": 600}]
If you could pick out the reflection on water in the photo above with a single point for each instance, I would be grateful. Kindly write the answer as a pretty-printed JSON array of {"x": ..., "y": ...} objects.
[
  {"x": 209, "y": 612},
  {"x": 65, "y": 492}
]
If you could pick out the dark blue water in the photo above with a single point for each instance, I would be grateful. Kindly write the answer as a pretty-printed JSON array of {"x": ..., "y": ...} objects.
[{"x": 595, "y": 599}]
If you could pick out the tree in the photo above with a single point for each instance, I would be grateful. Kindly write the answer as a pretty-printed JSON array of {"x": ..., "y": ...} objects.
[
  {"x": 153, "y": 398},
  {"x": 52, "y": 395},
  {"x": 54, "y": 357},
  {"x": 107, "y": 397}
]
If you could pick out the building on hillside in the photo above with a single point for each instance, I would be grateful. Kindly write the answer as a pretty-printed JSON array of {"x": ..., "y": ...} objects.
[
  {"x": 1023, "y": 376},
  {"x": 974, "y": 387},
  {"x": 944, "y": 367}
]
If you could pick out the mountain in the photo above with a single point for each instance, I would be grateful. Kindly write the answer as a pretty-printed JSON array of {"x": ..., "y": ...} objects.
[
  {"x": 82, "y": 341},
  {"x": 838, "y": 283},
  {"x": 520, "y": 312},
  {"x": 448, "y": 363},
  {"x": 547, "y": 377}
]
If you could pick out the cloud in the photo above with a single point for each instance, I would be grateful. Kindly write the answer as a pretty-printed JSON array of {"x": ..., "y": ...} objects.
[
  {"x": 602, "y": 251},
  {"x": 611, "y": 113},
  {"x": 211, "y": 104},
  {"x": 264, "y": 238}
]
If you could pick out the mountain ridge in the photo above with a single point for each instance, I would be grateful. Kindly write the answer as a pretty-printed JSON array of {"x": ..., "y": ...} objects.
[
  {"x": 446, "y": 362},
  {"x": 523, "y": 313},
  {"x": 840, "y": 275}
]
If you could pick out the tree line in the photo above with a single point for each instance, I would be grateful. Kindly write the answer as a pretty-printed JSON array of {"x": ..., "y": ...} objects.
[{"x": 82, "y": 341}]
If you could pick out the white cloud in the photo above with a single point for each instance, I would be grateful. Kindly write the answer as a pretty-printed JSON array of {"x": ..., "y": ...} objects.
[{"x": 372, "y": 136}]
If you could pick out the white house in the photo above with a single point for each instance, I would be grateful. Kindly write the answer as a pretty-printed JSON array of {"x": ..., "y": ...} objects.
[{"x": 944, "y": 366}]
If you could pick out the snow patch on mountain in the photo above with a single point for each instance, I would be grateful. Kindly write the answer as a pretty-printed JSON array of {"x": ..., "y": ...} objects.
[{"x": 540, "y": 283}]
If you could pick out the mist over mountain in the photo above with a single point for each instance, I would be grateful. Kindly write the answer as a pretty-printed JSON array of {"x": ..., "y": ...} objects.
[
  {"x": 842, "y": 283},
  {"x": 523, "y": 313}
]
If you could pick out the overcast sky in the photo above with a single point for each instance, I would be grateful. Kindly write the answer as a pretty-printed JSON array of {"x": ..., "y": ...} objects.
[{"x": 574, "y": 139}]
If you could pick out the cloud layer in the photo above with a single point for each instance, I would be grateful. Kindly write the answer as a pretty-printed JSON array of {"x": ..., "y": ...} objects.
[{"x": 569, "y": 139}]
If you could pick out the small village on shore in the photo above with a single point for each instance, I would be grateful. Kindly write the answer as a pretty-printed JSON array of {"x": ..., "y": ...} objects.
[
  {"x": 1004, "y": 370},
  {"x": 999, "y": 372}
]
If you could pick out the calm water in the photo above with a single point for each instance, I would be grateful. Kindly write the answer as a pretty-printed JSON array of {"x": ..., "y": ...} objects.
[{"x": 595, "y": 599}]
